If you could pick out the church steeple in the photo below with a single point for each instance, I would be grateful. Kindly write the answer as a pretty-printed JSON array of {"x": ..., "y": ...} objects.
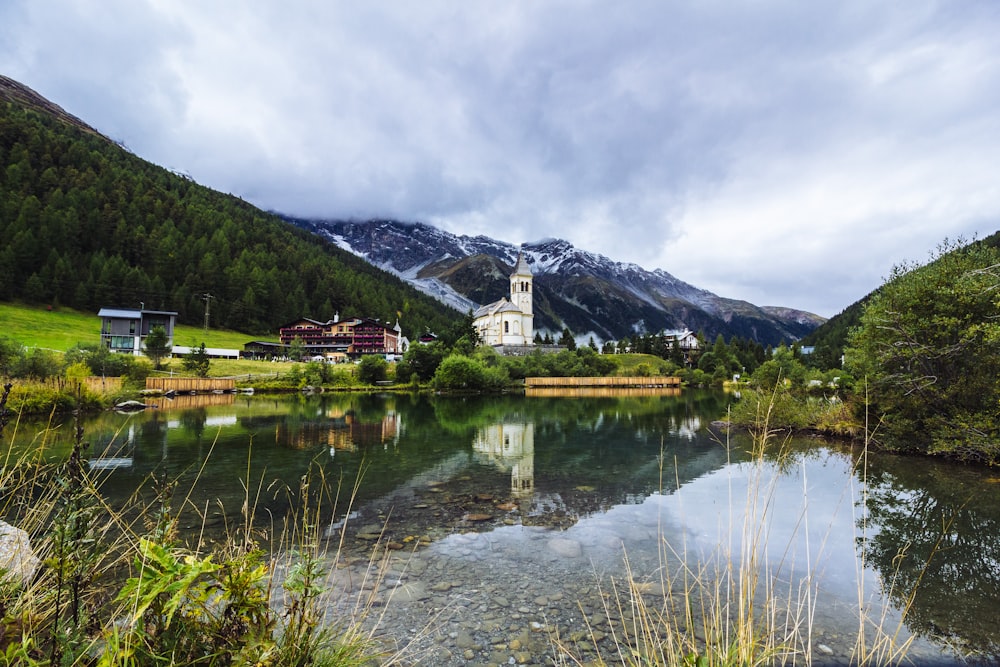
[
  {"x": 521, "y": 267},
  {"x": 521, "y": 294}
]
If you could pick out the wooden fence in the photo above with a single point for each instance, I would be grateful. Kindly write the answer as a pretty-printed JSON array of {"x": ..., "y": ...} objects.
[
  {"x": 190, "y": 385},
  {"x": 102, "y": 385},
  {"x": 600, "y": 392},
  {"x": 635, "y": 381}
]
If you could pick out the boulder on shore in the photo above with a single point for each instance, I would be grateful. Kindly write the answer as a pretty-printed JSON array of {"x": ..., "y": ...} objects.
[{"x": 17, "y": 559}]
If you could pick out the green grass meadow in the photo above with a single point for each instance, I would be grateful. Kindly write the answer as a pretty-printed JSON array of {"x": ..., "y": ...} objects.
[{"x": 63, "y": 328}]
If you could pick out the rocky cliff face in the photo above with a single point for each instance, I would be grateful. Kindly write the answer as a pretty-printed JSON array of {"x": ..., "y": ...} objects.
[{"x": 587, "y": 292}]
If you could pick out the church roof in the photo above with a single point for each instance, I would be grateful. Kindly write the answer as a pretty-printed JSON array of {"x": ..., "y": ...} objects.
[
  {"x": 521, "y": 267},
  {"x": 501, "y": 306}
]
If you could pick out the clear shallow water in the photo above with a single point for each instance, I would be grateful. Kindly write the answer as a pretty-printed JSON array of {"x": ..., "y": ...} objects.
[{"x": 508, "y": 520}]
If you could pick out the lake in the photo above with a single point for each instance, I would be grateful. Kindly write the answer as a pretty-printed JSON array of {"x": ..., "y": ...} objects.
[{"x": 530, "y": 529}]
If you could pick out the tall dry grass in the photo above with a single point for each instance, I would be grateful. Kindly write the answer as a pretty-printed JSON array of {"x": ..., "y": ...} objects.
[
  {"x": 118, "y": 586},
  {"x": 737, "y": 606}
]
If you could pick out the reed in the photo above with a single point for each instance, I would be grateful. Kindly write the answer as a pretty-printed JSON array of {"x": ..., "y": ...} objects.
[{"x": 116, "y": 587}]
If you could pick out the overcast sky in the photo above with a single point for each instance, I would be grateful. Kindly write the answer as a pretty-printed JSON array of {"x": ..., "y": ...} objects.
[{"x": 785, "y": 153}]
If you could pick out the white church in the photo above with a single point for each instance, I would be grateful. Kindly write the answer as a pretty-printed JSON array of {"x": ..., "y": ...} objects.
[{"x": 509, "y": 322}]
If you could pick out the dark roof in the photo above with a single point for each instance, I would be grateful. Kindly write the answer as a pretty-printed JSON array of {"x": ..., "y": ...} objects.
[{"x": 132, "y": 312}]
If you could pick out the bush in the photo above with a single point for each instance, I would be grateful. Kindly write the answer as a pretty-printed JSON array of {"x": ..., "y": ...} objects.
[
  {"x": 137, "y": 370},
  {"x": 782, "y": 368},
  {"x": 101, "y": 361},
  {"x": 10, "y": 355},
  {"x": 460, "y": 373},
  {"x": 422, "y": 361},
  {"x": 372, "y": 369},
  {"x": 38, "y": 364}
]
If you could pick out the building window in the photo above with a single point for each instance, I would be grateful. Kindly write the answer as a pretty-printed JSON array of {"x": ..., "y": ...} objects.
[
  {"x": 121, "y": 343},
  {"x": 131, "y": 327},
  {"x": 506, "y": 327}
]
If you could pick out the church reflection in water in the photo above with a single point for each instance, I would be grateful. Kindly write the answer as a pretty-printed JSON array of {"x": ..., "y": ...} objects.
[{"x": 510, "y": 446}]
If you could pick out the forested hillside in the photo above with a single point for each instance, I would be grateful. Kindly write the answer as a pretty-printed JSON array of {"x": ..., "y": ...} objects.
[
  {"x": 830, "y": 338},
  {"x": 928, "y": 347},
  {"x": 85, "y": 223}
]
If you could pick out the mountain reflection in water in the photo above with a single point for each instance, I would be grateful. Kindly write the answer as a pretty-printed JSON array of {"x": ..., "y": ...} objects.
[{"x": 594, "y": 471}]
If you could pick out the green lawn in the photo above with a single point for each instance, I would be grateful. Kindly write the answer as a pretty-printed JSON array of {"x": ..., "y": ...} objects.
[
  {"x": 628, "y": 363},
  {"x": 62, "y": 328}
]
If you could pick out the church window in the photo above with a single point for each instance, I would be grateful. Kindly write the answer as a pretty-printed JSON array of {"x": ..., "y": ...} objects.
[{"x": 506, "y": 327}]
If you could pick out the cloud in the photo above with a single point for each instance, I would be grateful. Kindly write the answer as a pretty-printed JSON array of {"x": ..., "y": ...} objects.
[{"x": 782, "y": 152}]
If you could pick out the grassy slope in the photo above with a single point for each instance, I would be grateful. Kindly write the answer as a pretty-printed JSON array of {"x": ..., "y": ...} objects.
[
  {"x": 62, "y": 328},
  {"x": 628, "y": 363}
]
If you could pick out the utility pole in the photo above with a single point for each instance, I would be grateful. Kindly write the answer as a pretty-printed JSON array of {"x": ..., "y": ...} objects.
[{"x": 207, "y": 298}]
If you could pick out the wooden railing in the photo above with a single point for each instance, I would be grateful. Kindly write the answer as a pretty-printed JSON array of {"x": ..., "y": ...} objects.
[
  {"x": 600, "y": 392},
  {"x": 635, "y": 381}
]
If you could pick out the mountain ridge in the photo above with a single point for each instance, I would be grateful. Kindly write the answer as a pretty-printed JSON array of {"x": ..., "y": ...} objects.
[{"x": 584, "y": 291}]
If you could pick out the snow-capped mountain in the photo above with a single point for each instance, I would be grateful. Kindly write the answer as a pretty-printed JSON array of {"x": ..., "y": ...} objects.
[{"x": 584, "y": 291}]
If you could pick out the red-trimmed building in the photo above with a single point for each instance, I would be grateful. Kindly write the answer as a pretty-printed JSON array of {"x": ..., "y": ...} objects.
[{"x": 339, "y": 339}]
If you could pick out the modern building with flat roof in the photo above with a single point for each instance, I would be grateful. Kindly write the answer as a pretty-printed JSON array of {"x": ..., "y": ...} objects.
[{"x": 125, "y": 330}]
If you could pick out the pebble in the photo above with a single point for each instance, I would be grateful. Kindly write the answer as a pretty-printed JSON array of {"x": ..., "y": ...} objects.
[{"x": 565, "y": 547}]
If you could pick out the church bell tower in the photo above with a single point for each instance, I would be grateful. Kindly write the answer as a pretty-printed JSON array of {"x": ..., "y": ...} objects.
[{"x": 521, "y": 296}]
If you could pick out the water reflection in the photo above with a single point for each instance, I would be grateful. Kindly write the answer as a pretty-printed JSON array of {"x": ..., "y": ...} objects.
[
  {"x": 510, "y": 446},
  {"x": 598, "y": 473},
  {"x": 937, "y": 540}
]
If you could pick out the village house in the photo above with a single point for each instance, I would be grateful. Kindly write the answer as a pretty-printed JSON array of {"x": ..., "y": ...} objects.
[
  {"x": 125, "y": 330},
  {"x": 509, "y": 322},
  {"x": 338, "y": 340},
  {"x": 687, "y": 341}
]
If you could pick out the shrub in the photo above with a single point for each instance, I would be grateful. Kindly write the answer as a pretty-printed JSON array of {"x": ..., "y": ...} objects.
[
  {"x": 38, "y": 364},
  {"x": 460, "y": 373},
  {"x": 372, "y": 369},
  {"x": 421, "y": 360}
]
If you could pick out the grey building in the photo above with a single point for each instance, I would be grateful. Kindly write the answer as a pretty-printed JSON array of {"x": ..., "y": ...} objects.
[{"x": 124, "y": 330}]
